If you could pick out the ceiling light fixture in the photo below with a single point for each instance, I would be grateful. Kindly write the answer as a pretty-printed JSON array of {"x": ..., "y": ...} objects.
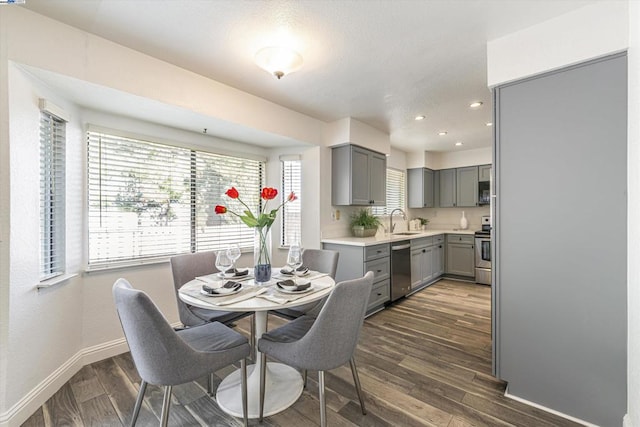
[
  {"x": 489, "y": 124},
  {"x": 475, "y": 104},
  {"x": 278, "y": 61},
  {"x": 442, "y": 133},
  {"x": 420, "y": 117},
  {"x": 458, "y": 143}
]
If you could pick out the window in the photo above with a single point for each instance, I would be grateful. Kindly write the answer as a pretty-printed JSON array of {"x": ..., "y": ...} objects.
[
  {"x": 52, "y": 195},
  {"x": 396, "y": 185},
  {"x": 148, "y": 199},
  {"x": 291, "y": 212}
]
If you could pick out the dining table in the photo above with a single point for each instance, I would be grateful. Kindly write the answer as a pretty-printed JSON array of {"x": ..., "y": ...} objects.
[{"x": 283, "y": 384}]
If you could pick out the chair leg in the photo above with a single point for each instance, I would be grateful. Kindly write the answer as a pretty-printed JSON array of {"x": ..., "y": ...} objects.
[
  {"x": 263, "y": 375},
  {"x": 210, "y": 381},
  {"x": 304, "y": 377},
  {"x": 164, "y": 420},
  {"x": 252, "y": 338},
  {"x": 323, "y": 403},
  {"x": 136, "y": 409},
  {"x": 356, "y": 380},
  {"x": 243, "y": 374}
]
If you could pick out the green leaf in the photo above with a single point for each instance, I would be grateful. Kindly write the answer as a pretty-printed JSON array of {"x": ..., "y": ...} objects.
[{"x": 250, "y": 222}]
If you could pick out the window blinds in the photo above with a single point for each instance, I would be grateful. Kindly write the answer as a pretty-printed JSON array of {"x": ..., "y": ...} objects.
[
  {"x": 396, "y": 193},
  {"x": 52, "y": 196},
  {"x": 152, "y": 200},
  {"x": 291, "y": 213}
]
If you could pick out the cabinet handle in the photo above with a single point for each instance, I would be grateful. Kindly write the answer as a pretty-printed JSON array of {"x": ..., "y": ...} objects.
[
  {"x": 424, "y": 250},
  {"x": 379, "y": 271},
  {"x": 379, "y": 294}
]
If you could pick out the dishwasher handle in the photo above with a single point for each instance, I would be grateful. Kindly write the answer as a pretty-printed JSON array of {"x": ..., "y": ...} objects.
[{"x": 401, "y": 247}]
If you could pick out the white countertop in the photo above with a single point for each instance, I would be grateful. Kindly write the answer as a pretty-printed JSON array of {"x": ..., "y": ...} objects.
[{"x": 385, "y": 238}]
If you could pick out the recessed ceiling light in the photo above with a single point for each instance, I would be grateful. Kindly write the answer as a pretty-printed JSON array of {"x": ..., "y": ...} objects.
[
  {"x": 458, "y": 143},
  {"x": 475, "y": 104},
  {"x": 420, "y": 117},
  {"x": 489, "y": 124},
  {"x": 442, "y": 133}
]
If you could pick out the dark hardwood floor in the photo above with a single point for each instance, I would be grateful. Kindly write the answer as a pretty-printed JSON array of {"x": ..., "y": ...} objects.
[{"x": 426, "y": 361}]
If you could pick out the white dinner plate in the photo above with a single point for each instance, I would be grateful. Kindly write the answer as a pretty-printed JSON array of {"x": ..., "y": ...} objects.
[
  {"x": 207, "y": 294},
  {"x": 284, "y": 291}
]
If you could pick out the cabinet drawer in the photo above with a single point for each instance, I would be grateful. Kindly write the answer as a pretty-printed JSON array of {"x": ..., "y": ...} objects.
[
  {"x": 422, "y": 242},
  {"x": 377, "y": 251},
  {"x": 438, "y": 239},
  {"x": 460, "y": 238},
  {"x": 381, "y": 268},
  {"x": 380, "y": 294}
]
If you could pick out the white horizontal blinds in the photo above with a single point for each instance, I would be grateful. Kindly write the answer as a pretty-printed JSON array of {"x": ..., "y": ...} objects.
[
  {"x": 396, "y": 193},
  {"x": 52, "y": 196},
  {"x": 215, "y": 174},
  {"x": 291, "y": 213},
  {"x": 139, "y": 199}
]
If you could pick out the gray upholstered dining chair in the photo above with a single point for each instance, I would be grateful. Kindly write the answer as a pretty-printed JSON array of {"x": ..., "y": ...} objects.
[
  {"x": 323, "y": 261},
  {"x": 166, "y": 357},
  {"x": 322, "y": 343}
]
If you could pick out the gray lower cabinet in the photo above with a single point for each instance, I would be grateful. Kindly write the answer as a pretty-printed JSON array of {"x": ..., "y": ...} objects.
[
  {"x": 427, "y": 260},
  {"x": 420, "y": 188},
  {"x": 460, "y": 259},
  {"x": 355, "y": 261},
  {"x": 358, "y": 176}
]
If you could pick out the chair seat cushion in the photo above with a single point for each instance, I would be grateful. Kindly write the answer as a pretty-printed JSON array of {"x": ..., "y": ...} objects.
[
  {"x": 291, "y": 331},
  {"x": 217, "y": 315},
  {"x": 212, "y": 337}
]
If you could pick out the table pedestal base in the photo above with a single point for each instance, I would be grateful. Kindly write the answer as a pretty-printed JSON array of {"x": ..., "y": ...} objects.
[{"x": 283, "y": 386}]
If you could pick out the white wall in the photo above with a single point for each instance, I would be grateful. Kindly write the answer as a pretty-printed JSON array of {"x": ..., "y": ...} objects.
[{"x": 449, "y": 159}]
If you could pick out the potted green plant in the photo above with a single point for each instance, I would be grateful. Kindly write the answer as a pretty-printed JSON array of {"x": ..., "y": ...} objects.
[
  {"x": 364, "y": 223},
  {"x": 423, "y": 222}
]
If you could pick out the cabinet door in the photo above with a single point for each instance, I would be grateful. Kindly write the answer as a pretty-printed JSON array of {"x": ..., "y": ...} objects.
[
  {"x": 416, "y": 268},
  {"x": 484, "y": 173},
  {"x": 377, "y": 179},
  {"x": 447, "y": 188},
  {"x": 438, "y": 260},
  {"x": 360, "y": 164},
  {"x": 427, "y": 264},
  {"x": 420, "y": 188},
  {"x": 467, "y": 186},
  {"x": 427, "y": 188},
  {"x": 460, "y": 259}
]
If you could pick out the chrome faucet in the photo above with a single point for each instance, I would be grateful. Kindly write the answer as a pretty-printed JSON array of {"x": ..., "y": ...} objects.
[{"x": 391, "y": 224}]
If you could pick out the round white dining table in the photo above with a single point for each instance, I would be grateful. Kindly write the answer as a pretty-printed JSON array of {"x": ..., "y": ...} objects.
[{"x": 283, "y": 384}]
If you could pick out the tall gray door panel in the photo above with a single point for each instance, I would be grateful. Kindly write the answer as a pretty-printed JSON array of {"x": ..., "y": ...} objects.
[{"x": 560, "y": 311}]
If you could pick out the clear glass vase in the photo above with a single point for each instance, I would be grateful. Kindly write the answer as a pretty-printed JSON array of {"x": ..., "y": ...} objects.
[{"x": 262, "y": 254}]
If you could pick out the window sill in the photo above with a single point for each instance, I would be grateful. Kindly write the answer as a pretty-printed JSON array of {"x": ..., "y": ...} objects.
[
  {"x": 126, "y": 264},
  {"x": 54, "y": 281}
]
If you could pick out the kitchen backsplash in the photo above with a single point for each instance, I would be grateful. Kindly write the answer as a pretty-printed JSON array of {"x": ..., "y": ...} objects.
[{"x": 439, "y": 218}]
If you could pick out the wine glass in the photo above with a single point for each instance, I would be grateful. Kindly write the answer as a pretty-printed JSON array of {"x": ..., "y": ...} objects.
[
  {"x": 294, "y": 258},
  {"x": 223, "y": 262},
  {"x": 233, "y": 251}
]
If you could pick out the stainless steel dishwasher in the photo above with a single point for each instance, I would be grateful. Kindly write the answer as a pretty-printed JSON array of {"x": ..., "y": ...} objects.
[{"x": 400, "y": 269}]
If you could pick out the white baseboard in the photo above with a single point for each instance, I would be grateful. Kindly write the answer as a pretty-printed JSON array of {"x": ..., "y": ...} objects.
[
  {"x": 25, "y": 407},
  {"x": 626, "y": 421},
  {"x": 544, "y": 408}
]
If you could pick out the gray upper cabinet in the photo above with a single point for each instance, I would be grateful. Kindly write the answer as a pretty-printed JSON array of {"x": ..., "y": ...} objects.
[
  {"x": 484, "y": 173},
  {"x": 447, "y": 188},
  {"x": 420, "y": 188},
  {"x": 359, "y": 176},
  {"x": 467, "y": 186}
]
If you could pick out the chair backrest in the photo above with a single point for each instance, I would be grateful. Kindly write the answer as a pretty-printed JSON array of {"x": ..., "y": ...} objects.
[
  {"x": 333, "y": 338},
  {"x": 186, "y": 268},
  {"x": 322, "y": 260},
  {"x": 161, "y": 357}
]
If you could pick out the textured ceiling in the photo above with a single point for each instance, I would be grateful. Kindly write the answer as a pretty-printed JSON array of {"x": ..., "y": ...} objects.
[{"x": 379, "y": 61}]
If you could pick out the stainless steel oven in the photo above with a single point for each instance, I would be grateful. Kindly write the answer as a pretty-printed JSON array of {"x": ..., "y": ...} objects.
[{"x": 483, "y": 252}]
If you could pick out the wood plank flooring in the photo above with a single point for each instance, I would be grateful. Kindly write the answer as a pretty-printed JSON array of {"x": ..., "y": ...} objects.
[{"x": 426, "y": 361}]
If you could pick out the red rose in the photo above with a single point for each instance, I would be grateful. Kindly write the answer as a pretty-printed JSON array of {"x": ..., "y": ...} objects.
[
  {"x": 268, "y": 193},
  {"x": 233, "y": 193},
  {"x": 292, "y": 197},
  {"x": 221, "y": 209}
]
